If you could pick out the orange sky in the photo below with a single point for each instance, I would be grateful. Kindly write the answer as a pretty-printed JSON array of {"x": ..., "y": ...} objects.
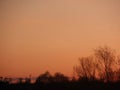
[{"x": 40, "y": 35}]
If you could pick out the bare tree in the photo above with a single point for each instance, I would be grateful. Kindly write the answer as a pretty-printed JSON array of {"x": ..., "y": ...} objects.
[
  {"x": 117, "y": 73},
  {"x": 106, "y": 56},
  {"x": 102, "y": 65},
  {"x": 86, "y": 68}
]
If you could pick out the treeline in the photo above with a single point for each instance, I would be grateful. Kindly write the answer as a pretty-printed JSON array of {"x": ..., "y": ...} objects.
[
  {"x": 59, "y": 81},
  {"x": 43, "y": 78},
  {"x": 100, "y": 71}
]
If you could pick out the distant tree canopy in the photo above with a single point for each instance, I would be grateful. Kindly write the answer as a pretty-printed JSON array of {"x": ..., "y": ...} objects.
[
  {"x": 44, "y": 78},
  {"x": 59, "y": 77},
  {"x": 48, "y": 78},
  {"x": 103, "y": 65}
]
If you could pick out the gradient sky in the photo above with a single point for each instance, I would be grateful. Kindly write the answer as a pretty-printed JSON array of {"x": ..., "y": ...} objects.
[{"x": 40, "y": 35}]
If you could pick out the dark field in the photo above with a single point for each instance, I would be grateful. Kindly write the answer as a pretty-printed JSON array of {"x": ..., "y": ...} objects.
[{"x": 76, "y": 85}]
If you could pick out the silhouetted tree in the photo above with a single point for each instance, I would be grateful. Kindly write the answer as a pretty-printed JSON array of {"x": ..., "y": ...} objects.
[
  {"x": 117, "y": 73},
  {"x": 86, "y": 68},
  {"x": 44, "y": 78},
  {"x": 20, "y": 80},
  {"x": 59, "y": 77},
  {"x": 106, "y": 56},
  {"x": 28, "y": 79},
  {"x": 102, "y": 64},
  {"x": 1, "y": 78}
]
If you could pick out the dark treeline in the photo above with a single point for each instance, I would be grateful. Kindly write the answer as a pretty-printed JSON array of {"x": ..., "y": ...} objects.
[
  {"x": 100, "y": 71},
  {"x": 59, "y": 82}
]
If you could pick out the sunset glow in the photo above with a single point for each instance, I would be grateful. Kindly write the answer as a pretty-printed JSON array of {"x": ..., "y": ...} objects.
[{"x": 41, "y": 35}]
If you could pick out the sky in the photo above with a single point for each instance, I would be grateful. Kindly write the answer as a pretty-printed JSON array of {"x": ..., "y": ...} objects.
[{"x": 41, "y": 35}]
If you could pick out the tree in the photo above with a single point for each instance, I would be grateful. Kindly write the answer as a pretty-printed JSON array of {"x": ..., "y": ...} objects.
[
  {"x": 106, "y": 56},
  {"x": 28, "y": 80},
  {"x": 44, "y": 78},
  {"x": 59, "y": 77},
  {"x": 117, "y": 73},
  {"x": 20, "y": 80},
  {"x": 101, "y": 65},
  {"x": 86, "y": 68}
]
